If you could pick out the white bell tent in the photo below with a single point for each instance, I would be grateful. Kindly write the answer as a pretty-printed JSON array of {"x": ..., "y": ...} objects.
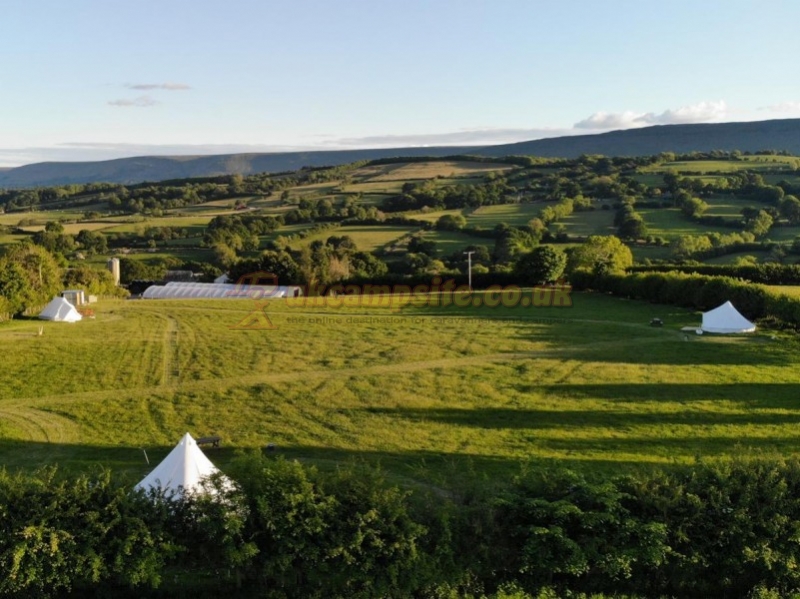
[
  {"x": 60, "y": 310},
  {"x": 183, "y": 470},
  {"x": 726, "y": 320}
]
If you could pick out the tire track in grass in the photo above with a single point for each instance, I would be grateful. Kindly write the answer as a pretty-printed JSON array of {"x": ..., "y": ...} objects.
[
  {"x": 316, "y": 375},
  {"x": 41, "y": 425}
]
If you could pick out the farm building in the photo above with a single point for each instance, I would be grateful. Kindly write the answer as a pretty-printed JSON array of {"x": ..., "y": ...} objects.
[
  {"x": 177, "y": 290},
  {"x": 74, "y": 296}
]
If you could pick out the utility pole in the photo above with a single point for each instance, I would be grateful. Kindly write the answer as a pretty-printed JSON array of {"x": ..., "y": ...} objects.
[{"x": 469, "y": 267}]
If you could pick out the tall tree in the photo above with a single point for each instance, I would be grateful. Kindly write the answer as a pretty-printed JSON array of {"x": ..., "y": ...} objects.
[
  {"x": 601, "y": 254},
  {"x": 543, "y": 265}
]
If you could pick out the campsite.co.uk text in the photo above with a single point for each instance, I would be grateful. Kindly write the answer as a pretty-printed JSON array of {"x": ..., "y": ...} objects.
[{"x": 439, "y": 293}]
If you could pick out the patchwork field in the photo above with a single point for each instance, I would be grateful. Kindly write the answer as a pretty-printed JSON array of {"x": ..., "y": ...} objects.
[
  {"x": 422, "y": 390},
  {"x": 511, "y": 214},
  {"x": 367, "y": 238},
  {"x": 427, "y": 170}
]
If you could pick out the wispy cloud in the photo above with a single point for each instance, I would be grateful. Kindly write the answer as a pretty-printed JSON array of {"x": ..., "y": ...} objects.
[
  {"x": 171, "y": 87},
  {"x": 702, "y": 112},
  {"x": 140, "y": 102},
  {"x": 783, "y": 107}
]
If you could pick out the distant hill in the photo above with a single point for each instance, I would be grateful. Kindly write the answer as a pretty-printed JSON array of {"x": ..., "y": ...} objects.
[
  {"x": 750, "y": 136},
  {"x": 160, "y": 168}
]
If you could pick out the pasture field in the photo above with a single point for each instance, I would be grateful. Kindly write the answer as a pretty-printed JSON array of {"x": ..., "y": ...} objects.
[
  {"x": 721, "y": 166},
  {"x": 671, "y": 223},
  {"x": 40, "y": 217},
  {"x": 728, "y": 207},
  {"x": 732, "y": 258},
  {"x": 432, "y": 217},
  {"x": 511, "y": 214},
  {"x": 592, "y": 222},
  {"x": 448, "y": 242},
  {"x": 427, "y": 170},
  {"x": 367, "y": 238},
  {"x": 423, "y": 391},
  {"x": 790, "y": 290}
]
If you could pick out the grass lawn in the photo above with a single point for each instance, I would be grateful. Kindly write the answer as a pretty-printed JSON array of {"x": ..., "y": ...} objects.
[
  {"x": 13, "y": 218},
  {"x": 782, "y": 234},
  {"x": 651, "y": 252},
  {"x": 731, "y": 258},
  {"x": 594, "y": 222},
  {"x": 790, "y": 290},
  {"x": 199, "y": 221},
  {"x": 728, "y": 206},
  {"x": 432, "y": 217},
  {"x": 367, "y": 238},
  {"x": 448, "y": 242},
  {"x": 422, "y": 390},
  {"x": 511, "y": 214},
  {"x": 671, "y": 223},
  {"x": 715, "y": 166},
  {"x": 426, "y": 170}
]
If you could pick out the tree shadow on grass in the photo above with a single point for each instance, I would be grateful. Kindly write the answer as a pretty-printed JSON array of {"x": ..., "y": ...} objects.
[
  {"x": 751, "y": 396},
  {"x": 526, "y": 418},
  {"x": 412, "y": 467}
]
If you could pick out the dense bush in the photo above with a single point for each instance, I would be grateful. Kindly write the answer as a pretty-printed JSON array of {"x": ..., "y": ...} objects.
[
  {"x": 695, "y": 291},
  {"x": 287, "y": 530},
  {"x": 767, "y": 274}
]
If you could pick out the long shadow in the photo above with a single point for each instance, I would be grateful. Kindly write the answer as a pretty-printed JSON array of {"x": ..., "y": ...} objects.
[
  {"x": 604, "y": 329},
  {"x": 784, "y": 396},
  {"x": 412, "y": 467},
  {"x": 701, "y": 445},
  {"x": 510, "y": 418},
  {"x": 131, "y": 463}
]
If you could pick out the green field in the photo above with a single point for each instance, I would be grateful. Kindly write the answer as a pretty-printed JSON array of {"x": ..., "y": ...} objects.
[
  {"x": 366, "y": 238},
  {"x": 721, "y": 166},
  {"x": 511, "y": 214},
  {"x": 671, "y": 223},
  {"x": 593, "y": 222},
  {"x": 449, "y": 242},
  {"x": 420, "y": 390}
]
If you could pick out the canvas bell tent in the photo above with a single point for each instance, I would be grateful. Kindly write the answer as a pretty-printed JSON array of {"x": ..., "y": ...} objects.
[
  {"x": 60, "y": 310},
  {"x": 726, "y": 320},
  {"x": 182, "y": 471}
]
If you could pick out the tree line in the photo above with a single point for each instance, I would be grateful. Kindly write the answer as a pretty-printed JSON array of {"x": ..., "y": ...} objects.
[{"x": 287, "y": 531}]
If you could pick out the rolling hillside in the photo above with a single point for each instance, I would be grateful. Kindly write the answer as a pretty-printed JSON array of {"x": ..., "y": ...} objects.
[
  {"x": 161, "y": 168},
  {"x": 751, "y": 136}
]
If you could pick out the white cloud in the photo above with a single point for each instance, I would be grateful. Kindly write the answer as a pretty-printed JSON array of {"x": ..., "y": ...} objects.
[
  {"x": 140, "y": 102},
  {"x": 702, "y": 112},
  {"x": 611, "y": 120},
  {"x": 783, "y": 107},
  {"x": 172, "y": 87}
]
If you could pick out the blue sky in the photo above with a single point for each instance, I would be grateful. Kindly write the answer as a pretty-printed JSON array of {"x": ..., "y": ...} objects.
[{"x": 91, "y": 79}]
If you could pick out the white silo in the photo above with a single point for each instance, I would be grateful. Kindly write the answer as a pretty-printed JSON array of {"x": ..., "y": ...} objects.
[{"x": 113, "y": 266}]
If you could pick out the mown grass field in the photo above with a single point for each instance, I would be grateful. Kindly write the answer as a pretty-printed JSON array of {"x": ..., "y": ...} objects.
[
  {"x": 424, "y": 391},
  {"x": 716, "y": 166},
  {"x": 426, "y": 170},
  {"x": 511, "y": 214},
  {"x": 367, "y": 238}
]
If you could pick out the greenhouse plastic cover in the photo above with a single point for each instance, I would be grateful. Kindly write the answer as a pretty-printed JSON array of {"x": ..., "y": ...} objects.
[{"x": 178, "y": 290}]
